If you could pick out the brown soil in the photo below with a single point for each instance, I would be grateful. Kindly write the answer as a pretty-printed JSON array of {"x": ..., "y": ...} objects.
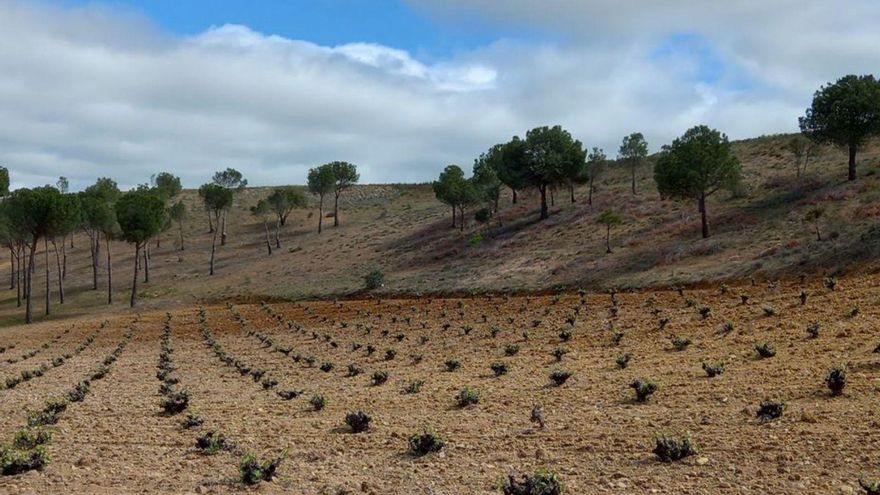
[{"x": 596, "y": 438}]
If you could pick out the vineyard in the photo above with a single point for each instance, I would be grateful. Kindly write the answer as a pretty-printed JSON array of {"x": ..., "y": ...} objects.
[{"x": 754, "y": 389}]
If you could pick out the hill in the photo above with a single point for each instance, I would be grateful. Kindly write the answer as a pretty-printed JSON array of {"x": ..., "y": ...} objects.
[{"x": 402, "y": 230}]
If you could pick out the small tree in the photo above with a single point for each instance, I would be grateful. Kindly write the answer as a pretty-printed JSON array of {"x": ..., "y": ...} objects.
[
  {"x": 167, "y": 186},
  {"x": 802, "y": 150},
  {"x": 140, "y": 214},
  {"x": 456, "y": 191},
  {"x": 487, "y": 184},
  {"x": 217, "y": 199},
  {"x": 595, "y": 166},
  {"x": 508, "y": 160},
  {"x": 609, "y": 219},
  {"x": 282, "y": 201},
  {"x": 262, "y": 211},
  {"x": 552, "y": 157},
  {"x": 695, "y": 166},
  {"x": 345, "y": 175},
  {"x": 845, "y": 113},
  {"x": 321, "y": 181},
  {"x": 633, "y": 152},
  {"x": 65, "y": 219},
  {"x": 812, "y": 216},
  {"x": 234, "y": 181},
  {"x": 177, "y": 214}
]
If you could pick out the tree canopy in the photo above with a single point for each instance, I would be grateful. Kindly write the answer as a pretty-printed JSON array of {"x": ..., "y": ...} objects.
[
  {"x": 845, "y": 113},
  {"x": 695, "y": 166},
  {"x": 633, "y": 151}
]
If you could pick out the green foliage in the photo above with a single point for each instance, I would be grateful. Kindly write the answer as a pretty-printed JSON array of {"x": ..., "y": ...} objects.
[
  {"x": 543, "y": 482},
  {"x": 425, "y": 442},
  {"x": 252, "y": 470},
  {"x": 609, "y": 218},
  {"x": 374, "y": 279},
  {"x": 358, "y": 421},
  {"x": 765, "y": 350},
  {"x": 282, "y": 202},
  {"x": 230, "y": 179},
  {"x": 167, "y": 185},
  {"x": 13, "y": 462},
  {"x": 713, "y": 369},
  {"x": 141, "y": 215},
  {"x": 770, "y": 410},
  {"x": 216, "y": 197},
  {"x": 669, "y": 449},
  {"x": 559, "y": 377},
  {"x": 695, "y": 166},
  {"x": 318, "y": 401},
  {"x": 643, "y": 388},
  {"x": 836, "y": 380},
  {"x": 467, "y": 397},
  {"x": 321, "y": 181}
]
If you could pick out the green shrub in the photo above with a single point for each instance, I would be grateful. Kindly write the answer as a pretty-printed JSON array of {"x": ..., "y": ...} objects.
[
  {"x": 358, "y": 421},
  {"x": 414, "y": 387},
  {"x": 836, "y": 380},
  {"x": 622, "y": 361},
  {"x": 192, "y": 421},
  {"x": 27, "y": 439},
  {"x": 380, "y": 377},
  {"x": 425, "y": 442},
  {"x": 680, "y": 343},
  {"x": 713, "y": 369},
  {"x": 543, "y": 482},
  {"x": 212, "y": 442},
  {"x": 871, "y": 488},
  {"x": 643, "y": 388},
  {"x": 318, "y": 401},
  {"x": 467, "y": 396},
  {"x": 175, "y": 402},
  {"x": 770, "y": 410},
  {"x": 668, "y": 449},
  {"x": 559, "y": 352},
  {"x": 452, "y": 365},
  {"x": 252, "y": 470},
  {"x": 813, "y": 330},
  {"x": 766, "y": 350},
  {"x": 12, "y": 463},
  {"x": 617, "y": 336},
  {"x": 499, "y": 368},
  {"x": 559, "y": 377},
  {"x": 511, "y": 349}
]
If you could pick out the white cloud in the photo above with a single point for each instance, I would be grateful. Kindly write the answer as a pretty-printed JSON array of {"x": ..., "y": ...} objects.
[{"x": 93, "y": 92}]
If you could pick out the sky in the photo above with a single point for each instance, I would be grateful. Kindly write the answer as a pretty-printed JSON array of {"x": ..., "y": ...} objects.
[{"x": 401, "y": 88}]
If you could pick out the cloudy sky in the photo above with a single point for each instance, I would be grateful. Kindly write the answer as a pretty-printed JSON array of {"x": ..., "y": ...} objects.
[{"x": 128, "y": 88}]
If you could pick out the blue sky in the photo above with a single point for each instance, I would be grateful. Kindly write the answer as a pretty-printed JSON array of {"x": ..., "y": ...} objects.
[{"x": 326, "y": 22}]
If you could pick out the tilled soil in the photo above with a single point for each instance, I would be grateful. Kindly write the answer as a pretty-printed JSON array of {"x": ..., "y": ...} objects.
[{"x": 596, "y": 437}]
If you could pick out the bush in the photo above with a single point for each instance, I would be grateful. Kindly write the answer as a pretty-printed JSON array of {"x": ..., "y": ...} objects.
[
  {"x": 212, "y": 442},
  {"x": 813, "y": 330},
  {"x": 26, "y": 439},
  {"x": 869, "y": 487},
  {"x": 537, "y": 416},
  {"x": 252, "y": 470},
  {"x": 769, "y": 310},
  {"x": 643, "y": 388},
  {"x": 414, "y": 387},
  {"x": 483, "y": 215},
  {"x": 354, "y": 370},
  {"x": 175, "y": 402},
  {"x": 559, "y": 377},
  {"x": 543, "y": 482},
  {"x": 770, "y": 410},
  {"x": 12, "y": 463},
  {"x": 289, "y": 394},
  {"x": 766, "y": 350},
  {"x": 467, "y": 396},
  {"x": 705, "y": 312},
  {"x": 358, "y": 421},
  {"x": 390, "y": 354},
  {"x": 836, "y": 380},
  {"x": 380, "y": 377},
  {"x": 192, "y": 421},
  {"x": 452, "y": 365},
  {"x": 499, "y": 368},
  {"x": 79, "y": 392},
  {"x": 318, "y": 401},
  {"x": 326, "y": 367},
  {"x": 680, "y": 343},
  {"x": 374, "y": 279},
  {"x": 622, "y": 361},
  {"x": 511, "y": 349},
  {"x": 713, "y": 369},
  {"x": 425, "y": 442},
  {"x": 616, "y": 337},
  {"x": 565, "y": 335},
  {"x": 475, "y": 239},
  {"x": 830, "y": 283},
  {"x": 559, "y": 352},
  {"x": 669, "y": 449}
]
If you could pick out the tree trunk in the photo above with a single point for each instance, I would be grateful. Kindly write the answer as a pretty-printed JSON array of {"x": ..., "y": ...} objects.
[
  {"x": 213, "y": 248},
  {"x": 63, "y": 259},
  {"x": 633, "y": 179},
  {"x": 320, "y": 213},
  {"x": 544, "y": 213},
  {"x": 703, "y": 215},
  {"x": 852, "y": 162},
  {"x": 336, "y": 210},
  {"x": 60, "y": 272},
  {"x": 278, "y": 223},
  {"x": 223, "y": 230},
  {"x": 818, "y": 234},
  {"x": 46, "y": 256},
  {"x": 590, "y": 196},
  {"x": 158, "y": 241},
  {"x": 134, "y": 280},
  {"x": 453, "y": 216},
  {"x": 514, "y": 195},
  {"x": 19, "y": 275},
  {"x": 146, "y": 262},
  {"x": 180, "y": 231},
  {"x": 210, "y": 223},
  {"x": 11, "y": 268},
  {"x": 29, "y": 312},
  {"x": 109, "y": 274},
  {"x": 94, "y": 239},
  {"x": 571, "y": 191},
  {"x": 461, "y": 218},
  {"x": 553, "y": 196},
  {"x": 608, "y": 239},
  {"x": 268, "y": 244}
]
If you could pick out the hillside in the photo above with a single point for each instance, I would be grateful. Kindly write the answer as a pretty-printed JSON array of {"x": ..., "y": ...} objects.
[{"x": 405, "y": 232}]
